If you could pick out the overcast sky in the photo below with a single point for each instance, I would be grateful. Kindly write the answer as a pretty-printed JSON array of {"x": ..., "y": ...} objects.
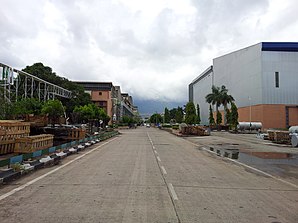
[{"x": 153, "y": 49}]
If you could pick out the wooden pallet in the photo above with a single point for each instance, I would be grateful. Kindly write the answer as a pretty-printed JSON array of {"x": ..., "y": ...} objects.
[
  {"x": 279, "y": 136},
  {"x": 14, "y": 127},
  {"x": 76, "y": 134},
  {"x": 31, "y": 144},
  {"x": 7, "y": 147},
  {"x": 9, "y": 131}
]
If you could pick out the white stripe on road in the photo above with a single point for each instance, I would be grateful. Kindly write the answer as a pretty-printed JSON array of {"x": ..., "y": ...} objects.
[
  {"x": 155, "y": 152},
  {"x": 172, "y": 191},
  {"x": 158, "y": 159},
  {"x": 3, "y": 196},
  {"x": 163, "y": 170}
]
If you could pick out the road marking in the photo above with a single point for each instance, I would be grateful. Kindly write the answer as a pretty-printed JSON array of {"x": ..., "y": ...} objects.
[
  {"x": 155, "y": 152},
  {"x": 247, "y": 166},
  {"x": 172, "y": 191},
  {"x": 153, "y": 147},
  {"x": 158, "y": 159},
  {"x": 163, "y": 170},
  {"x": 3, "y": 196}
]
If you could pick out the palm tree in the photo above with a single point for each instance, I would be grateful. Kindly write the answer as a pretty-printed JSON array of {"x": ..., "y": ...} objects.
[
  {"x": 218, "y": 97},
  {"x": 225, "y": 100},
  {"x": 214, "y": 98}
]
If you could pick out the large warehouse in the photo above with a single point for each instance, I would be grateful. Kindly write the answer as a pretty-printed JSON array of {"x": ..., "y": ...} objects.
[{"x": 263, "y": 79}]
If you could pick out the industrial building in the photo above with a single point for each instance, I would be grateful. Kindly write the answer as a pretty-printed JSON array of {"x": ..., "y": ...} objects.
[
  {"x": 109, "y": 97},
  {"x": 263, "y": 79}
]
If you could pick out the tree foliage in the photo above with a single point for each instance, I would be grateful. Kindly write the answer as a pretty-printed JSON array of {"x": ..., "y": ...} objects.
[
  {"x": 190, "y": 116},
  {"x": 234, "y": 116},
  {"x": 198, "y": 114},
  {"x": 156, "y": 118},
  {"x": 27, "y": 106},
  {"x": 53, "y": 109},
  {"x": 90, "y": 111},
  {"x": 78, "y": 98},
  {"x": 211, "y": 118},
  {"x": 228, "y": 116},
  {"x": 179, "y": 115},
  {"x": 167, "y": 117},
  {"x": 218, "y": 118},
  {"x": 219, "y": 96}
]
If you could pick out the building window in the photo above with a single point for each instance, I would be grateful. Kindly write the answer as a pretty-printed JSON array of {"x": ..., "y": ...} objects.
[
  {"x": 100, "y": 93},
  {"x": 277, "y": 79}
]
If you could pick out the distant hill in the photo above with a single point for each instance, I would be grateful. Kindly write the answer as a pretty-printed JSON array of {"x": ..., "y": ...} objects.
[{"x": 149, "y": 107}]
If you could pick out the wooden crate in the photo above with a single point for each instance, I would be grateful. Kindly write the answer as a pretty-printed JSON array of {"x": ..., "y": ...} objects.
[
  {"x": 9, "y": 131},
  {"x": 12, "y": 127},
  {"x": 76, "y": 134},
  {"x": 279, "y": 136},
  {"x": 31, "y": 144},
  {"x": 7, "y": 146}
]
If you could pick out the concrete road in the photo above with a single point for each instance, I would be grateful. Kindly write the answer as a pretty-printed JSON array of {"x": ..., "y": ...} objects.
[{"x": 148, "y": 175}]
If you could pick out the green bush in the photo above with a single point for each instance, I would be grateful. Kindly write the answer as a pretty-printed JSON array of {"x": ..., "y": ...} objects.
[{"x": 175, "y": 127}]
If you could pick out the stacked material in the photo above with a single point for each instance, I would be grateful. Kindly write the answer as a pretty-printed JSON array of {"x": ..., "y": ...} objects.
[
  {"x": 31, "y": 144},
  {"x": 76, "y": 134},
  {"x": 278, "y": 136},
  {"x": 10, "y": 131},
  {"x": 194, "y": 130}
]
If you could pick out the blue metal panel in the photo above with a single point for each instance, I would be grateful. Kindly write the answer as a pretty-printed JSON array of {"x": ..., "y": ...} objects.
[
  {"x": 280, "y": 46},
  {"x": 16, "y": 159},
  {"x": 52, "y": 149},
  {"x": 37, "y": 153}
]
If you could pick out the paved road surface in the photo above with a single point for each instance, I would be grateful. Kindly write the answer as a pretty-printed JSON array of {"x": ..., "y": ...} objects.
[{"x": 148, "y": 175}]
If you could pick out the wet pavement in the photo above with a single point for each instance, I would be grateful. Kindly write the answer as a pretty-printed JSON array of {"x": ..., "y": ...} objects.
[{"x": 276, "y": 159}]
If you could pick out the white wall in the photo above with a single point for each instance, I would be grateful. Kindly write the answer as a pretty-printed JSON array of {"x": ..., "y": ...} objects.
[
  {"x": 200, "y": 90},
  {"x": 286, "y": 63},
  {"x": 240, "y": 72}
]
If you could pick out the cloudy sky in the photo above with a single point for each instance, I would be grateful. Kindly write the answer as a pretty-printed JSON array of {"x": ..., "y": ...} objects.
[{"x": 153, "y": 49}]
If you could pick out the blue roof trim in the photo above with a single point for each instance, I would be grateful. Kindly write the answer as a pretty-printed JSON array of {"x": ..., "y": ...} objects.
[{"x": 280, "y": 46}]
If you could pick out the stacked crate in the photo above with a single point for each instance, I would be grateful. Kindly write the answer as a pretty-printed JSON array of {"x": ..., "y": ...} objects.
[
  {"x": 9, "y": 132},
  {"x": 278, "y": 136},
  {"x": 31, "y": 144},
  {"x": 76, "y": 134}
]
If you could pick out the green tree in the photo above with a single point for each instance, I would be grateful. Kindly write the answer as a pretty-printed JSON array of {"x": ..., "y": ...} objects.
[
  {"x": 228, "y": 116},
  {"x": 156, "y": 118},
  {"x": 179, "y": 115},
  {"x": 234, "y": 116},
  {"x": 219, "y": 96},
  {"x": 53, "y": 109},
  {"x": 78, "y": 97},
  {"x": 127, "y": 120},
  {"x": 167, "y": 117},
  {"x": 214, "y": 98},
  {"x": 190, "y": 116},
  {"x": 173, "y": 112},
  {"x": 90, "y": 111},
  {"x": 198, "y": 114},
  {"x": 27, "y": 106},
  {"x": 211, "y": 118},
  {"x": 225, "y": 100}
]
